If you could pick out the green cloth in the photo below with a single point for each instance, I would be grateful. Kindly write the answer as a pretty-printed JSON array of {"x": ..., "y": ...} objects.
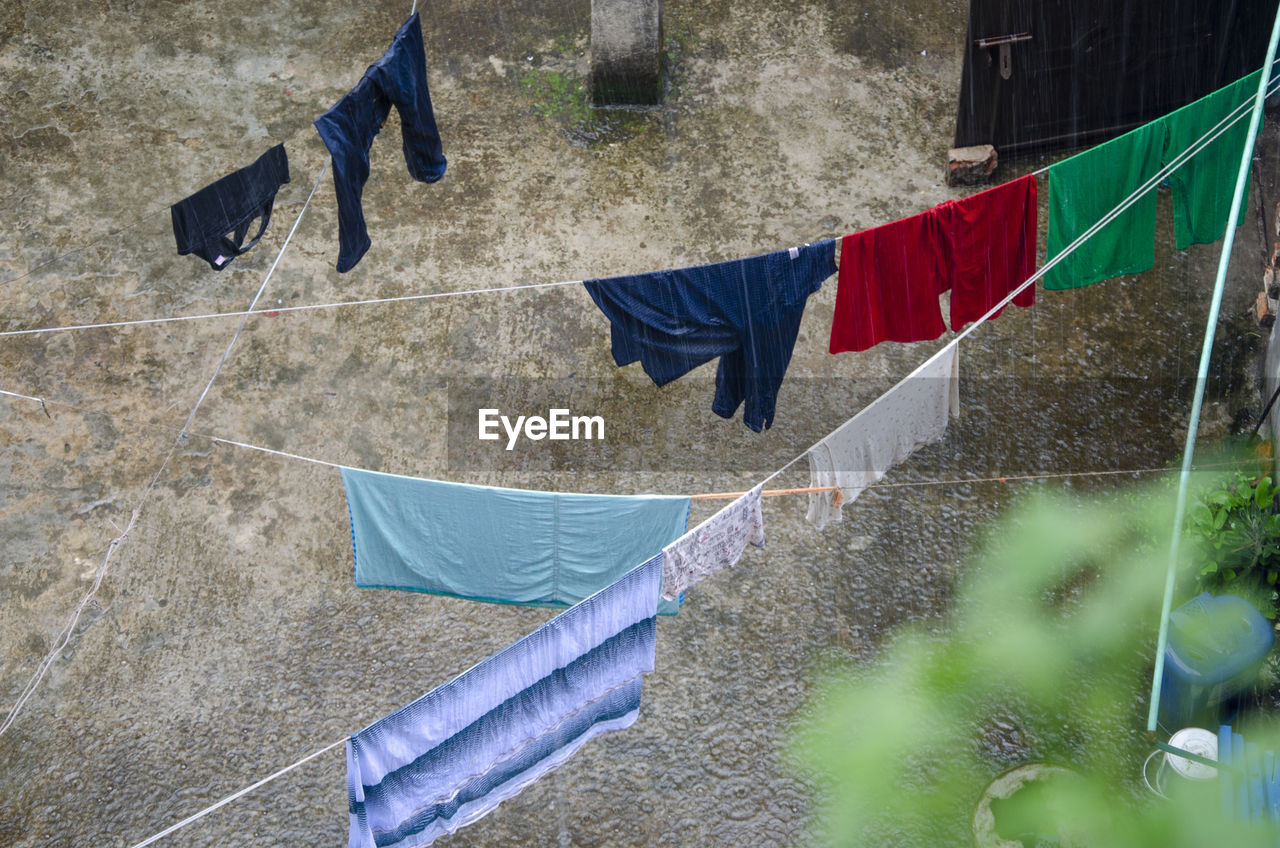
[
  {"x": 1086, "y": 187},
  {"x": 1204, "y": 185}
]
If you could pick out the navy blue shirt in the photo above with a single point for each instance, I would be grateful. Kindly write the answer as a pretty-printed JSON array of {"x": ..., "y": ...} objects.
[{"x": 746, "y": 311}]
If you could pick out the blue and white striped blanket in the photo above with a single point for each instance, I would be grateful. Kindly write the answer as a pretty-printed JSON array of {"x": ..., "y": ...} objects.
[{"x": 450, "y": 757}]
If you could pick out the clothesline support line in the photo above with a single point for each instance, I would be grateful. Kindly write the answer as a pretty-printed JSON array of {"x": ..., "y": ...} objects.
[
  {"x": 47, "y": 662},
  {"x": 1202, "y": 375},
  {"x": 227, "y": 800},
  {"x": 1177, "y": 162},
  {"x": 284, "y": 454},
  {"x": 960, "y": 481},
  {"x": 767, "y": 493},
  {"x": 227, "y": 353},
  {"x": 119, "y": 541},
  {"x": 84, "y": 247},
  {"x": 282, "y": 309},
  {"x": 807, "y": 489}
]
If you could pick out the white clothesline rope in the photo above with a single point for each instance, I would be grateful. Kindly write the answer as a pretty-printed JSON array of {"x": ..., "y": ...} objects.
[
  {"x": 34, "y": 682},
  {"x": 281, "y": 309},
  {"x": 83, "y": 247},
  {"x": 227, "y": 800},
  {"x": 117, "y": 542},
  {"x": 1125, "y": 204}
]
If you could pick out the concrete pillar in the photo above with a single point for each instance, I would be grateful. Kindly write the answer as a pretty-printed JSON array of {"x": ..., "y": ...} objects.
[{"x": 626, "y": 52}]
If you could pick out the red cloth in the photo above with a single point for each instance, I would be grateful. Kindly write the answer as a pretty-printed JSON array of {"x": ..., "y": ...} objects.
[
  {"x": 888, "y": 287},
  {"x": 989, "y": 245}
]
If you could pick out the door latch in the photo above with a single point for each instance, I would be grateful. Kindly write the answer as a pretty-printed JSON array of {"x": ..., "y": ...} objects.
[{"x": 1006, "y": 54}]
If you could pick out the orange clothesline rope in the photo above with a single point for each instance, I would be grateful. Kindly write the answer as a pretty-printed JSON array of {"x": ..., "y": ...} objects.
[
  {"x": 767, "y": 493},
  {"x": 1004, "y": 479}
]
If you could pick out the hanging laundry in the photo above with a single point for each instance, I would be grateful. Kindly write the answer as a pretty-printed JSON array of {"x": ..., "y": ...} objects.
[
  {"x": 447, "y": 759},
  {"x": 1204, "y": 185},
  {"x": 746, "y": 311},
  {"x": 890, "y": 279},
  {"x": 715, "y": 544},
  {"x": 1084, "y": 188},
  {"x": 501, "y": 545},
  {"x": 399, "y": 78},
  {"x": 213, "y": 222},
  {"x": 910, "y": 415},
  {"x": 989, "y": 245}
]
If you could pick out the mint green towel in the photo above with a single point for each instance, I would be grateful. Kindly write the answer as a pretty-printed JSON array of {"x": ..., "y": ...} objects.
[{"x": 502, "y": 545}]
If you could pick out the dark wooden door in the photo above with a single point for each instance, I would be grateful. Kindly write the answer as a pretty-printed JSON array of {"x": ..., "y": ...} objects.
[{"x": 1068, "y": 73}]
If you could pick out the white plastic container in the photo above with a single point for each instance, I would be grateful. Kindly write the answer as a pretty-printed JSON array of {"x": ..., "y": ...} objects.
[{"x": 1176, "y": 772}]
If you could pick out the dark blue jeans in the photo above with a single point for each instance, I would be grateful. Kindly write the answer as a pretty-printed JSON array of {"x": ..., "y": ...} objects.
[
  {"x": 399, "y": 78},
  {"x": 747, "y": 312}
]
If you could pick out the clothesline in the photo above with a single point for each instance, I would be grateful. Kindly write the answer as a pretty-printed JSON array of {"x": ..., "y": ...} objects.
[
  {"x": 960, "y": 481},
  {"x": 276, "y": 310},
  {"x": 1005, "y": 478},
  {"x": 954, "y": 481},
  {"x": 1125, "y": 204},
  {"x": 1226, "y": 123},
  {"x": 1177, "y": 162},
  {"x": 767, "y": 493},
  {"x": 84, "y": 247},
  {"x": 119, "y": 541},
  {"x": 1146, "y": 187},
  {"x": 227, "y": 800}
]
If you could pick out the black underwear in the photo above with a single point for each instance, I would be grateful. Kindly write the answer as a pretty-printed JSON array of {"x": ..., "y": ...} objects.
[{"x": 213, "y": 222}]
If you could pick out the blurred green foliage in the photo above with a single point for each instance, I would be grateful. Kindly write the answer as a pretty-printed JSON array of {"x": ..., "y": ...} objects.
[{"x": 1051, "y": 631}]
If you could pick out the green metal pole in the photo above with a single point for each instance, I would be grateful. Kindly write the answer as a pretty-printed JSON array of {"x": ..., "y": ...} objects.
[{"x": 1206, "y": 351}]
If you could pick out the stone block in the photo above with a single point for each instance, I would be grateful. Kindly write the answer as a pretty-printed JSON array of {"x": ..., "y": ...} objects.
[
  {"x": 1262, "y": 311},
  {"x": 626, "y": 52},
  {"x": 971, "y": 165}
]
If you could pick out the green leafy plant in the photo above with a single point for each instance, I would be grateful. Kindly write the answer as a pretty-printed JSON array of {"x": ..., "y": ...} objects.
[
  {"x": 1048, "y": 644},
  {"x": 1236, "y": 528}
]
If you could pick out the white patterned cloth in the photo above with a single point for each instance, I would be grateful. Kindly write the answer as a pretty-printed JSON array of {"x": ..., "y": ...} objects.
[
  {"x": 714, "y": 544},
  {"x": 908, "y": 416}
]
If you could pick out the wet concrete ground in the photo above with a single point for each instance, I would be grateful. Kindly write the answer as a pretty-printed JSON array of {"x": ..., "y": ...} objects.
[{"x": 227, "y": 639}]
